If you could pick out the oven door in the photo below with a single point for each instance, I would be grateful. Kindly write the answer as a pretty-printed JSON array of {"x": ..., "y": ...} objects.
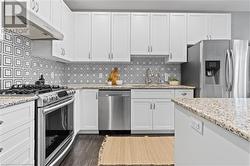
[{"x": 58, "y": 128}]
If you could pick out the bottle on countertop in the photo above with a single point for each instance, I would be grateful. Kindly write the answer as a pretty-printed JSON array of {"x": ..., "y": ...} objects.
[{"x": 41, "y": 80}]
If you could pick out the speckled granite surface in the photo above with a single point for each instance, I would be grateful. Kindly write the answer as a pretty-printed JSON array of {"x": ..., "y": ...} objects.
[
  {"x": 230, "y": 114},
  {"x": 7, "y": 101},
  {"x": 128, "y": 86}
]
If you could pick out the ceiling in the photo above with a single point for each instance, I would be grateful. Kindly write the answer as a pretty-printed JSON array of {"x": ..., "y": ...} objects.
[{"x": 161, "y": 5}]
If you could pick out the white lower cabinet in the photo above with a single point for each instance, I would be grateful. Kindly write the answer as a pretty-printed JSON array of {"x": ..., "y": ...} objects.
[
  {"x": 141, "y": 114},
  {"x": 88, "y": 110},
  {"x": 17, "y": 135},
  {"x": 163, "y": 114},
  {"x": 152, "y": 111}
]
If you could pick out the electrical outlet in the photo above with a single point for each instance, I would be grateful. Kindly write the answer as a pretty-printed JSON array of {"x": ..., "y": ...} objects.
[
  {"x": 197, "y": 125},
  {"x": 100, "y": 75},
  {"x": 166, "y": 76}
]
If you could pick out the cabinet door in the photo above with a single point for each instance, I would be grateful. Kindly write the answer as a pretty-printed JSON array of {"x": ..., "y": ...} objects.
[
  {"x": 82, "y": 37},
  {"x": 120, "y": 48},
  {"x": 141, "y": 114},
  {"x": 197, "y": 27},
  {"x": 220, "y": 26},
  {"x": 140, "y": 33},
  {"x": 163, "y": 115},
  {"x": 101, "y": 36},
  {"x": 56, "y": 18},
  {"x": 88, "y": 109},
  {"x": 178, "y": 37},
  {"x": 43, "y": 9},
  {"x": 159, "y": 34},
  {"x": 67, "y": 21},
  {"x": 1, "y": 20}
]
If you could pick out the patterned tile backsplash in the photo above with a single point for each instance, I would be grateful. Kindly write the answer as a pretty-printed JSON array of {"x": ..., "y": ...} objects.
[
  {"x": 133, "y": 72},
  {"x": 17, "y": 65}
]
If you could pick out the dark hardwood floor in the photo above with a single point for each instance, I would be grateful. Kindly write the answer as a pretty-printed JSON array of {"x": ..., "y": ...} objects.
[{"x": 84, "y": 152}]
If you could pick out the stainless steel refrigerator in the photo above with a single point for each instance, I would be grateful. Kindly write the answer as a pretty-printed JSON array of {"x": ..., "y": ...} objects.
[{"x": 218, "y": 68}]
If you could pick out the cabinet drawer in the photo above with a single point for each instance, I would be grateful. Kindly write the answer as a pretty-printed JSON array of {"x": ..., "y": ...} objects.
[
  {"x": 184, "y": 93},
  {"x": 16, "y": 116},
  {"x": 152, "y": 94},
  {"x": 18, "y": 145}
]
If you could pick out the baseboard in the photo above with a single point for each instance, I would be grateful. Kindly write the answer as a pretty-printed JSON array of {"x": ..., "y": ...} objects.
[
  {"x": 88, "y": 132},
  {"x": 164, "y": 132}
]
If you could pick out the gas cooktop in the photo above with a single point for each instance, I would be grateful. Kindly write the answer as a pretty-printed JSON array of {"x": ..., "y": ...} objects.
[{"x": 22, "y": 89}]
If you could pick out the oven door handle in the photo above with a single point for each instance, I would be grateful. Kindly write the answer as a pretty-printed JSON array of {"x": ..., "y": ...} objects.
[{"x": 51, "y": 109}]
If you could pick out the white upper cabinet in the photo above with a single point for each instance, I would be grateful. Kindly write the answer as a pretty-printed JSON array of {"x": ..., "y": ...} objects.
[
  {"x": 120, "y": 47},
  {"x": 67, "y": 21},
  {"x": 150, "y": 33},
  {"x": 56, "y": 18},
  {"x": 220, "y": 26},
  {"x": 82, "y": 42},
  {"x": 42, "y": 8},
  {"x": 211, "y": 26},
  {"x": 197, "y": 27},
  {"x": 101, "y": 35},
  {"x": 178, "y": 37},
  {"x": 140, "y": 33},
  {"x": 159, "y": 34}
]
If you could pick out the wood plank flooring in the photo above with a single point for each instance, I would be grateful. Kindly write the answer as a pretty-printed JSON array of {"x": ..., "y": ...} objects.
[{"x": 84, "y": 152}]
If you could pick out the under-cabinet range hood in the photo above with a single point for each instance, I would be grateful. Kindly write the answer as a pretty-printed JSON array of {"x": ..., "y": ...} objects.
[{"x": 35, "y": 28}]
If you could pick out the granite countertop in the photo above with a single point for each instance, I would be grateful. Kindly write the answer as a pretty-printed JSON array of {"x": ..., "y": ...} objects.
[
  {"x": 230, "y": 114},
  {"x": 128, "y": 86},
  {"x": 8, "y": 100}
]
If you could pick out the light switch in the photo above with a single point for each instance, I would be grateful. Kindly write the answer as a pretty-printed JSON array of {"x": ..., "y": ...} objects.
[{"x": 197, "y": 125}]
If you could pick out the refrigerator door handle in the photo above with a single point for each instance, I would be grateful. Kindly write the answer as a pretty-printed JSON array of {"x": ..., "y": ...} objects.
[
  {"x": 231, "y": 69},
  {"x": 227, "y": 70}
]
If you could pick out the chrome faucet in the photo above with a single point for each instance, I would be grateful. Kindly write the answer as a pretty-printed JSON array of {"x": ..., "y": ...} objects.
[{"x": 148, "y": 77}]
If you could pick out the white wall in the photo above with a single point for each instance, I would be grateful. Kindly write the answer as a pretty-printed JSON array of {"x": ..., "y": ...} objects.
[{"x": 241, "y": 25}]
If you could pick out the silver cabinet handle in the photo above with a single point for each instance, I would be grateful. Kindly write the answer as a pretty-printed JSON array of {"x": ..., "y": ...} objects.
[
  {"x": 154, "y": 106},
  {"x": 109, "y": 56},
  {"x": 1, "y": 122},
  {"x": 151, "y": 106},
  {"x": 89, "y": 56},
  {"x": 1, "y": 149},
  {"x": 33, "y": 4},
  {"x": 171, "y": 55},
  {"x": 112, "y": 57},
  {"x": 96, "y": 95},
  {"x": 151, "y": 50},
  {"x": 38, "y": 7},
  {"x": 184, "y": 94},
  {"x": 148, "y": 48}
]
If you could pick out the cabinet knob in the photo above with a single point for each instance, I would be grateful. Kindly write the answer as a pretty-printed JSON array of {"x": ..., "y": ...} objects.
[
  {"x": 148, "y": 48},
  {"x": 1, "y": 122},
  {"x": 1, "y": 149}
]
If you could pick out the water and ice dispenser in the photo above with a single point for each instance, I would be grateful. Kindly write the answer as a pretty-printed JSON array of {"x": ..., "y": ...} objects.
[{"x": 212, "y": 69}]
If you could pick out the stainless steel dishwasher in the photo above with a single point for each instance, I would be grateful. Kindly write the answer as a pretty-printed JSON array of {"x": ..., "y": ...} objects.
[{"x": 114, "y": 110}]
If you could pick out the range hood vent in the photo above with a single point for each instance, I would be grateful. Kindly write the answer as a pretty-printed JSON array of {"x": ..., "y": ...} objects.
[{"x": 34, "y": 27}]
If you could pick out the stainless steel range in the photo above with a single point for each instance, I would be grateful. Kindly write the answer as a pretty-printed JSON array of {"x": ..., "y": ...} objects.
[
  {"x": 55, "y": 126},
  {"x": 53, "y": 120}
]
